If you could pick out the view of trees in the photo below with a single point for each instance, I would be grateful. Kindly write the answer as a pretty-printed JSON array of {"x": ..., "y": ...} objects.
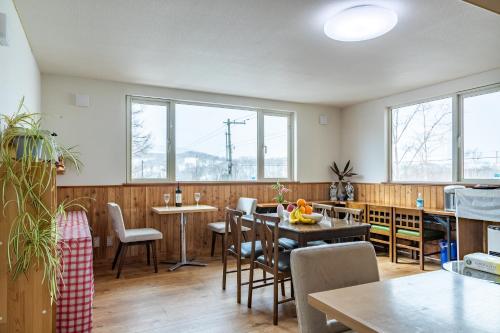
[{"x": 421, "y": 141}]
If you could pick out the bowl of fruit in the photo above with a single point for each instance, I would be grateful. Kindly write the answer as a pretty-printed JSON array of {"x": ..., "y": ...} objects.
[{"x": 302, "y": 213}]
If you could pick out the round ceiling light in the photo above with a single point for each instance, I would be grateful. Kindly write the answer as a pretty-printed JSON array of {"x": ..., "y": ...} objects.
[{"x": 360, "y": 23}]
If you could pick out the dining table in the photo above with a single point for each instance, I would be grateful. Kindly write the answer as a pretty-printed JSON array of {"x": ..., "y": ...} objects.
[
  {"x": 327, "y": 229},
  {"x": 437, "y": 301},
  {"x": 182, "y": 211}
]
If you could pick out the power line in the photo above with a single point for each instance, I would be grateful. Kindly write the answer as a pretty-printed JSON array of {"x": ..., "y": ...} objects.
[{"x": 229, "y": 147}]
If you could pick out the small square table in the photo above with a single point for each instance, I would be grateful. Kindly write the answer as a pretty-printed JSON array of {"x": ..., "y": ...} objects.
[{"x": 164, "y": 210}]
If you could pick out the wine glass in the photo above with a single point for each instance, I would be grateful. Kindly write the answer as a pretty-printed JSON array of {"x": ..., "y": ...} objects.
[
  {"x": 197, "y": 197},
  {"x": 166, "y": 198}
]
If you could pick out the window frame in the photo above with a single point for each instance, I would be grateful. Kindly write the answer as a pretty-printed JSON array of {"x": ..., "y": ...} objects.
[
  {"x": 154, "y": 101},
  {"x": 457, "y": 176},
  {"x": 461, "y": 138},
  {"x": 171, "y": 144},
  {"x": 261, "y": 146}
]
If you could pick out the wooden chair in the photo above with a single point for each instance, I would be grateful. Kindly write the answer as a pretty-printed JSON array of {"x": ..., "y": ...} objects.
[
  {"x": 271, "y": 261},
  {"x": 354, "y": 214},
  {"x": 410, "y": 234},
  {"x": 380, "y": 218},
  {"x": 131, "y": 237},
  {"x": 235, "y": 247},
  {"x": 323, "y": 209},
  {"x": 247, "y": 206}
]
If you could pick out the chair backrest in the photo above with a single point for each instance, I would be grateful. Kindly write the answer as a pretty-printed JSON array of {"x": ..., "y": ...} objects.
[
  {"x": 322, "y": 209},
  {"x": 247, "y": 205},
  {"x": 117, "y": 219},
  {"x": 327, "y": 267},
  {"x": 233, "y": 223},
  {"x": 409, "y": 219},
  {"x": 355, "y": 214},
  {"x": 267, "y": 227}
]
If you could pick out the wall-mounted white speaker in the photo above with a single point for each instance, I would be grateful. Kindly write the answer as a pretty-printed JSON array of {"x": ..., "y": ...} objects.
[
  {"x": 82, "y": 101},
  {"x": 3, "y": 29},
  {"x": 323, "y": 119}
]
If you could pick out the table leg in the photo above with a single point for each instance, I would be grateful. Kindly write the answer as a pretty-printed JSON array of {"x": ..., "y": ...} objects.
[
  {"x": 184, "y": 261},
  {"x": 448, "y": 237}
]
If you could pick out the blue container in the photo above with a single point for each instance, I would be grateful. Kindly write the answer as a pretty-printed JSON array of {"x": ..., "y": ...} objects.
[{"x": 443, "y": 245}]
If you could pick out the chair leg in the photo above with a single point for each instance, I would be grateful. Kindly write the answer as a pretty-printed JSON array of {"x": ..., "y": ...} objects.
[
  {"x": 212, "y": 250},
  {"x": 222, "y": 249},
  {"x": 421, "y": 255},
  {"x": 275, "y": 301},
  {"x": 250, "y": 285},
  {"x": 122, "y": 259},
  {"x": 283, "y": 288},
  {"x": 117, "y": 255},
  {"x": 395, "y": 251},
  {"x": 148, "y": 253},
  {"x": 155, "y": 258},
  {"x": 224, "y": 270},
  {"x": 238, "y": 280},
  {"x": 291, "y": 288}
]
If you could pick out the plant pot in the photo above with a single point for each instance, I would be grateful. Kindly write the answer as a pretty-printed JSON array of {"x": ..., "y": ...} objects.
[
  {"x": 33, "y": 146},
  {"x": 341, "y": 193}
]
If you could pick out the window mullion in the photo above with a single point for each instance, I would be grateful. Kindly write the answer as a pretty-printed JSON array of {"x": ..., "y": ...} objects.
[
  {"x": 171, "y": 142},
  {"x": 260, "y": 144}
]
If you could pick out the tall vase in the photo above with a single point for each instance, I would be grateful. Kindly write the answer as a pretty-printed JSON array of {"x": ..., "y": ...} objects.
[
  {"x": 350, "y": 191},
  {"x": 280, "y": 210},
  {"x": 333, "y": 192}
]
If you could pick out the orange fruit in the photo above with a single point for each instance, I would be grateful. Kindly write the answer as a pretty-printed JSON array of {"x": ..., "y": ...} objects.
[
  {"x": 301, "y": 202},
  {"x": 302, "y": 209},
  {"x": 309, "y": 209}
]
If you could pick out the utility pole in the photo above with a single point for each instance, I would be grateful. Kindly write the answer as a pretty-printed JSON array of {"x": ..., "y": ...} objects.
[{"x": 229, "y": 148}]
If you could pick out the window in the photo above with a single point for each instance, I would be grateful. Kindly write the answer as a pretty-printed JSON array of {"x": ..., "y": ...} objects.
[
  {"x": 481, "y": 137},
  {"x": 422, "y": 142},
  {"x": 276, "y": 149},
  {"x": 148, "y": 128},
  {"x": 180, "y": 141},
  {"x": 452, "y": 139},
  {"x": 215, "y": 143}
]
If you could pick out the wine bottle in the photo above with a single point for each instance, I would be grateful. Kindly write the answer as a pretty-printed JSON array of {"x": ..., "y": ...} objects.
[{"x": 178, "y": 196}]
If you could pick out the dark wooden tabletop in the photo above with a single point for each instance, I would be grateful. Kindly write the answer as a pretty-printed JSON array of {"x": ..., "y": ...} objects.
[{"x": 328, "y": 229}]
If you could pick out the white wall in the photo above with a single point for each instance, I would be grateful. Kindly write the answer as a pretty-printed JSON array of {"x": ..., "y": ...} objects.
[
  {"x": 19, "y": 74},
  {"x": 100, "y": 130},
  {"x": 364, "y": 126}
]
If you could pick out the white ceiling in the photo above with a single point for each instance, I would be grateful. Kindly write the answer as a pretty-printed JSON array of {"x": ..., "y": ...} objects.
[{"x": 261, "y": 48}]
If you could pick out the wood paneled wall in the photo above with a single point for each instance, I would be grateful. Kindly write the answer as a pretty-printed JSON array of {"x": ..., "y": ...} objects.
[
  {"x": 136, "y": 202},
  {"x": 400, "y": 194}
]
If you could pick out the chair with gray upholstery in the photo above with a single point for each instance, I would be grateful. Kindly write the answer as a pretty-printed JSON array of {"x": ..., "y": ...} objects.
[
  {"x": 328, "y": 267},
  {"x": 247, "y": 206},
  {"x": 129, "y": 237}
]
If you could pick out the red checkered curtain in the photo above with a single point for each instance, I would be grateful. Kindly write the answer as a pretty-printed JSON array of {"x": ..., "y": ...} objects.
[{"x": 76, "y": 285}]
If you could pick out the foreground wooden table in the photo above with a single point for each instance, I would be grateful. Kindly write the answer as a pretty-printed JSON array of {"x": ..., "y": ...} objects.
[
  {"x": 430, "y": 302},
  {"x": 328, "y": 229},
  {"x": 182, "y": 211}
]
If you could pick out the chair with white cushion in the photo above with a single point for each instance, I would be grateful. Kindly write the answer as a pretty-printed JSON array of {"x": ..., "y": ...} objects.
[
  {"x": 247, "y": 206},
  {"x": 129, "y": 237},
  {"x": 328, "y": 267}
]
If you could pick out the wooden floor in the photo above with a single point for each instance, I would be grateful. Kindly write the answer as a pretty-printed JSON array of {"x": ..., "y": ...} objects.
[{"x": 191, "y": 300}]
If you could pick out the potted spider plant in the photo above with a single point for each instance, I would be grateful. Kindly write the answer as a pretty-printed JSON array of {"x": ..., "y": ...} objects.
[
  {"x": 342, "y": 175},
  {"x": 27, "y": 177}
]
